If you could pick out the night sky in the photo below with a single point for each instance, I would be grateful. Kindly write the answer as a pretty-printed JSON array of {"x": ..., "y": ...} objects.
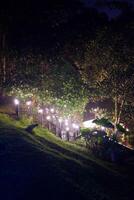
[
  {"x": 37, "y": 24},
  {"x": 109, "y": 11}
]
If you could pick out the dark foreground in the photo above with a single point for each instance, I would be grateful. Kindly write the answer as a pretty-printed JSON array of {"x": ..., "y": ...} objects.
[{"x": 31, "y": 167}]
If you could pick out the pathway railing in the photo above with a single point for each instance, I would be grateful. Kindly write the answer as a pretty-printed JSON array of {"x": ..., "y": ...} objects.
[{"x": 48, "y": 117}]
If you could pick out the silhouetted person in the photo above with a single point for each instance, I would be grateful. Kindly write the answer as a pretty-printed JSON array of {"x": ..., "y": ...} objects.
[{"x": 31, "y": 127}]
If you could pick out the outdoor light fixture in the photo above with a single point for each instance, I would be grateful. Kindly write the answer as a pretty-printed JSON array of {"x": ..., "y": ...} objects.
[
  {"x": 60, "y": 120},
  {"x": 28, "y": 103},
  {"x": 48, "y": 118},
  {"x": 75, "y": 126},
  {"x": 52, "y": 110},
  {"x": 102, "y": 128},
  {"x": 40, "y": 111},
  {"x": 122, "y": 125},
  {"x": 66, "y": 123},
  {"x": 16, "y": 102},
  {"x": 67, "y": 128}
]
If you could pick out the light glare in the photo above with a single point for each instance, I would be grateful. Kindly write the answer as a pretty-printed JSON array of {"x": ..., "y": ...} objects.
[
  {"x": 16, "y": 102},
  {"x": 102, "y": 128},
  {"x": 48, "y": 117},
  {"x": 52, "y": 110},
  {"x": 28, "y": 103},
  {"x": 67, "y": 128},
  {"x": 60, "y": 120},
  {"x": 75, "y": 126},
  {"x": 40, "y": 111}
]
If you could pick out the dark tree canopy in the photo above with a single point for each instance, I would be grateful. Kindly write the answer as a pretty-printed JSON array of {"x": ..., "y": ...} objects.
[{"x": 63, "y": 44}]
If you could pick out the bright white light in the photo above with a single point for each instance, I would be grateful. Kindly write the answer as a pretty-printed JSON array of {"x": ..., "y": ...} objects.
[
  {"x": 75, "y": 126},
  {"x": 60, "y": 120},
  {"x": 16, "y": 102},
  {"x": 66, "y": 122},
  {"x": 95, "y": 133},
  {"x": 52, "y": 110},
  {"x": 67, "y": 128},
  {"x": 127, "y": 130},
  {"x": 48, "y": 118},
  {"x": 40, "y": 111},
  {"x": 102, "y": 128},
  {"x": 95, "y": 109},
  {"x": 65, "y": 106},
  {"x": 122, "y": 125},
  {"x": 28, "y": 103},
  {"x": 53, "y": 116},
  {"x": 89, "y": 124}
]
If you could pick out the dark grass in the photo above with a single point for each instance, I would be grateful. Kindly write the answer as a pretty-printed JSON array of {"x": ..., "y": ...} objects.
[{"x": 41, "y": 166}]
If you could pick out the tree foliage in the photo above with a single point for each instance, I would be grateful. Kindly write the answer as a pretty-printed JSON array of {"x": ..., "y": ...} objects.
[
  {"x": 59, "y": 85},
  {"x": 108, "y": 69}
]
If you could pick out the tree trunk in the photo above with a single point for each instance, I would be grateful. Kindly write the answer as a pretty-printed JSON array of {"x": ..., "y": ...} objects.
[
  {"x": 116, "y": 110},
  {"x": 121, "y": 107}
]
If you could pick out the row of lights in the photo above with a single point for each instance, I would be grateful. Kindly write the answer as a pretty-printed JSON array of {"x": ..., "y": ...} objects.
[{"x": 48, "y": 117}]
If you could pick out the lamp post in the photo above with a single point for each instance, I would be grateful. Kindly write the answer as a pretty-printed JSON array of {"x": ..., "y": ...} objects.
[
  {"x": 66, "y": 122},
  {"x": 28, "y": 103},
  {"x": 103, "y": 128},
  {"x": 76, "y": 128},
  {"x": 17, "y": 103},
  {"x": 52, "y": 110},
  {"x": 48, "y": 119},
  {"x": 60, "y": 126},
  {"x": 67, "y": 132},
  {"x": 40, "y": 111}
]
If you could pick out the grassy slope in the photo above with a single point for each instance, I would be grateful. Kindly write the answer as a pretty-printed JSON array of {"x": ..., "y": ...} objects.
[{"x": 41, "y": 166}]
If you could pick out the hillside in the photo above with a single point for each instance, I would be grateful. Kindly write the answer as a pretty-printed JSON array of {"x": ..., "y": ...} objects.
[{"x": 41, "y": 166}]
